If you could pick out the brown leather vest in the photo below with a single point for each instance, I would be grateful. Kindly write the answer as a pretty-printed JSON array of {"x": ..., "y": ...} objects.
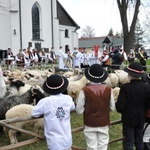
[
  {"x": 97, "y": 105},
  {"x": 107, "y": 62}
]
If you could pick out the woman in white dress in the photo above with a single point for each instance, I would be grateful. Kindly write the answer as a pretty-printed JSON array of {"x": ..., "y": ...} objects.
[
  {"x": 76, "y": 55},
  {"x": 62, "y": 56}
]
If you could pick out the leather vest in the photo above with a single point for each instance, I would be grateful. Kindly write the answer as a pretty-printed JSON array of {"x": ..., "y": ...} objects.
[
  {"x": 52, "y": 54},
  {"x": 107, "y": 62},
  {"x": 97, "y": 105}
]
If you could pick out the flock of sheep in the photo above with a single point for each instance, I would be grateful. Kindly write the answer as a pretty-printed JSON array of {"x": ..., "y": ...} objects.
[{"x": 21, "y": 90}]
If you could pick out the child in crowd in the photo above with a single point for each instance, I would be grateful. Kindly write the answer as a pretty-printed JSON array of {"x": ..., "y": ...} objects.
[
  {"x": 56, "y": 110},
  {"x": 95, "y": 102}
]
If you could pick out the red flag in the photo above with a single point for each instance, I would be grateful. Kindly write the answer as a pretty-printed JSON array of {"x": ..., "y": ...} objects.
[{"x": 96, "y": 47}]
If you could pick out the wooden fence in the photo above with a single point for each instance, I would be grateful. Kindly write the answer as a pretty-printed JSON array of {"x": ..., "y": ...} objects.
[{"x": 37, "y": 138}]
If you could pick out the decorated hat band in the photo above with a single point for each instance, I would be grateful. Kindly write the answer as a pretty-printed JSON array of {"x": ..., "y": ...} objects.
[
  {"x": 135, "y": 70},
  {"x": 55, "y": 88},
  {"x": 95, "y": 76}
]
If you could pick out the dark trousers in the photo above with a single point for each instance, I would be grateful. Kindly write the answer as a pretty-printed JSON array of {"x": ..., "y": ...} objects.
[
  {"x": 143, "y": 63},
  {"x": 146, "y": 146},
  {"x": 133, "y": 135}
]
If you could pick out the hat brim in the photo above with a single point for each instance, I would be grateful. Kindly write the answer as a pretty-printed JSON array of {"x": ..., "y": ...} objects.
[
  {"x": 56, "y": 91},
  {"x": 138, "y": 75},
  {"x": 96, "y": 80},
  {"x": 146, "y": 79}
]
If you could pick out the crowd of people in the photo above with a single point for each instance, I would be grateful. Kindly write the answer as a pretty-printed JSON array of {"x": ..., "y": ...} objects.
[
  {"x": 25, "y": 58},
  {"x": 116, "y": 58},
  {"x": 113, "y": 59}
]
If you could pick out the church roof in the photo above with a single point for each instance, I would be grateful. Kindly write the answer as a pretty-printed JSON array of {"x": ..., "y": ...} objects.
[
  {"x": 90, "y": 42},
  {"x": 107, "y": 40},
  {"x": 64, "y": 17}
]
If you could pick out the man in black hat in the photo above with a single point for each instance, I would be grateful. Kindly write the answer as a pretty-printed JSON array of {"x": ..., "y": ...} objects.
[
  {"x": 56, "y": 111},
  {"x": 131, "y": 102},
  {"x": 95, "y": 101}
]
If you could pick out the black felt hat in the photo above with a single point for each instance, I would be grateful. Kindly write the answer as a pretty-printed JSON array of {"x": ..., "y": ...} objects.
[
  {"x": 96, "y": 73},
  {"x": 55, "y": 84},
  {"x": 135, "y": 69}
]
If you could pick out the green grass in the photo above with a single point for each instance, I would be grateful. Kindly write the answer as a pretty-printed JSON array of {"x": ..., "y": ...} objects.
[
  {"x": 147, "y": 64},
  {"x": 78, "y": 138}
]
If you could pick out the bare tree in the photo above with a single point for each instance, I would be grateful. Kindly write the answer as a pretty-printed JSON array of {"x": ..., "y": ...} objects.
[
  {"x": 88, "y": 32},
  {"x": 138, "y": 36},
  {"x": 147, "y": 27},
  {"x": 128, "y": 31}
]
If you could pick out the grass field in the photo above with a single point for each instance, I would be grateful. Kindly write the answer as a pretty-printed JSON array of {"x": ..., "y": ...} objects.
[{"x": 147, "y": 64}]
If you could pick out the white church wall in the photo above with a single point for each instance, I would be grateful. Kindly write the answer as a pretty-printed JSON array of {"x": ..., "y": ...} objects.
[
  {"x": 15, "y": 32},
  {"x": 56, "y": 35},
  {"x": 71, "y": 40},
  {"x": 5, "y": 27},
  {"x": 15, "y": 26},
  {"x": 10, "y": 26},
  {"x": 56, "y": 38},
  {"x": 75, "y": 39},
  {"x": 45, "y": 23}
]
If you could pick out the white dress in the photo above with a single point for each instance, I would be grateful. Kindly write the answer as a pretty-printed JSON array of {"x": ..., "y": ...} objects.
[
  {"x": 84, "y": 59},
  {"x": 62, "y": 56},
  {"x": 26, "y": 60},
  {"x": 92, "y": 58},
  {"x": 76, "y": 58}
]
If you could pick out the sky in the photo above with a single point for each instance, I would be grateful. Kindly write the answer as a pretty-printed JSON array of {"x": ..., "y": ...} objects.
[{"x": 101, "y": 15}]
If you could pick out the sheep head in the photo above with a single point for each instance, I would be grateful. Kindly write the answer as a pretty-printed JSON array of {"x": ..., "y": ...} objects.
[
  {"x": 16, "y": 83},
  {"x": 36, "y": 94}
]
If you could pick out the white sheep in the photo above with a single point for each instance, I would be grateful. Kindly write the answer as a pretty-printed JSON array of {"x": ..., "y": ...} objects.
[
  {"x": 108, "y": 82},
  {"x": 76, "y": 71},
  {"x": 75, "y": 87},
  {"x": 74, "y": 78},
  {"x": 34, "y": 73},
  {"x": 116, "y": 91},
  {"x": 20, "y": 111},
  {"x": 19, "y": 87},
  {"x": 114, "y": 79},
  {"x": 122, "y": 76},
  {"x": 68, "y": 74},
  {"x": 35, "y": 81}
]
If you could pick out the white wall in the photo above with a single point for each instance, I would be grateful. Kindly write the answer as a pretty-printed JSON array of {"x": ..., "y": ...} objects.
[
  {"x": 9, "y": 21},
  {"x": 45, "y": 23},
  {"x": 5, "y": 26},
  {"x": 72, "y": 40}
]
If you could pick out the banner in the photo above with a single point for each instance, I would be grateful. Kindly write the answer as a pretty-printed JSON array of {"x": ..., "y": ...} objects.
[{"x": 96, "y": 47}]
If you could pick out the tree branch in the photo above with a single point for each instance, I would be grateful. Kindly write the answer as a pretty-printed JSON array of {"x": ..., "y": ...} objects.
[{"x": 136, "y": 11}]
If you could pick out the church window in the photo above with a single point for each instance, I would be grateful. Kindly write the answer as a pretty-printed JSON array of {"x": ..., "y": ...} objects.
[
  {"x": 35, "y": 22},
  {"x": 66, "y": 33}
]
